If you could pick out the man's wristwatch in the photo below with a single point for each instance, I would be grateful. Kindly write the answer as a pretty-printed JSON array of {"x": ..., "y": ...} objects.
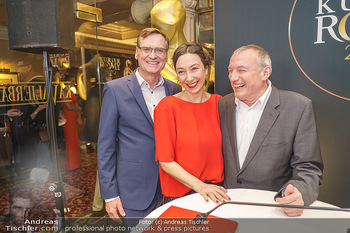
[{"x": 280, "y": 194}]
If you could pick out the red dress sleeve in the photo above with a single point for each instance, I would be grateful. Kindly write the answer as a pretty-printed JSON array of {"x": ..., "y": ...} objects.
[{"x": 164, "y": 131}]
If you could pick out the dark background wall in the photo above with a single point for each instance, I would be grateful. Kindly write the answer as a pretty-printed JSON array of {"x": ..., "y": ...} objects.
[{"x": 266, "y": 23}]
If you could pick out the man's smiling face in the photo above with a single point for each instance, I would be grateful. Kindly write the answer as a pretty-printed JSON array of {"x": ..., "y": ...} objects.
[
  {"x": 248, "y": 80},
  {"x": 151, "y": 63}
]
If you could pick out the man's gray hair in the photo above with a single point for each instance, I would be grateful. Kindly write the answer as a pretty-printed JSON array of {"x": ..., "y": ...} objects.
[{"x": 263, "y": 55}]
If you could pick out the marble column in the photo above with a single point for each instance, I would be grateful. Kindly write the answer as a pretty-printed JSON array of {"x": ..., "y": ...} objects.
[{"x": 190, "y": 27}]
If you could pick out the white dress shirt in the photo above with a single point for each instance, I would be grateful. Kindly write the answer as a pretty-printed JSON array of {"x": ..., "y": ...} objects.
[
  {"x": 247, "y": 120},
  {"x": 151, "y": 96}
]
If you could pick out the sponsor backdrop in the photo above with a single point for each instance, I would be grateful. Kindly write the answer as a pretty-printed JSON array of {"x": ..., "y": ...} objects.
[{"x": 309, "y": 44}]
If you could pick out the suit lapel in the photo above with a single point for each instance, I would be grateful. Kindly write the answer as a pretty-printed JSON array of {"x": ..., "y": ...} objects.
[
  {"x": 166, "y": 87},
  {"x": 137, "y": 93},
  {"x": 231, "y": 119},
  {"x": 266, "y": 122}
]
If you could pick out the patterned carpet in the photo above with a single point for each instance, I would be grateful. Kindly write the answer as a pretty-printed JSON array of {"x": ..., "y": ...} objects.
[{"x": 79, "y": 186}]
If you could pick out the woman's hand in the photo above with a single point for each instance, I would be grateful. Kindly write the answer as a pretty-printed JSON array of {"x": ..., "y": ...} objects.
[
  {"x": 216, "y": 193},
  {"x": 41, "y": 107},
  {"x": 37, "y": 110}
]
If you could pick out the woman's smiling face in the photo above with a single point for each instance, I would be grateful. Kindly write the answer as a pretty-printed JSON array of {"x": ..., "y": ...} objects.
[{"x": 191, "y": 72}]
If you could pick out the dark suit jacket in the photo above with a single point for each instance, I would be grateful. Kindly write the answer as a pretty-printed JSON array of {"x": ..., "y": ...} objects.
[
  {"x": 131, "y": 172},
  {"x": 92, "y": 108},
  {"x": 284, "y": 149}
]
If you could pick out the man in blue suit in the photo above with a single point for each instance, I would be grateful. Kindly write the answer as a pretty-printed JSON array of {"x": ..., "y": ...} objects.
[{"x": 129, "y": 178}]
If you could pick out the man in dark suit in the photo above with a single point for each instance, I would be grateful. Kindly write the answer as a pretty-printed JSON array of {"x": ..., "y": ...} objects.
[
  {"x": 92, "y": 109},
  {"x": 269, "y": 136},
  {"x": 128, "y": 177}
]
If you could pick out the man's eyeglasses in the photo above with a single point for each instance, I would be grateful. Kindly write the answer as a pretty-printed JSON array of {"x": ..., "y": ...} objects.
[{"x": 157, "y": 51}]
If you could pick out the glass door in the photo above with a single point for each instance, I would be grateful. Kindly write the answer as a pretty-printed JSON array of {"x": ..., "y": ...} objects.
[{"x": 105, "y": 40}]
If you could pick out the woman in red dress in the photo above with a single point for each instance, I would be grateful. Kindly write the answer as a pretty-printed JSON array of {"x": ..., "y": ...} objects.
[
  {"x": 187, "y": 132},
  {"x": 71, "y": 112}
]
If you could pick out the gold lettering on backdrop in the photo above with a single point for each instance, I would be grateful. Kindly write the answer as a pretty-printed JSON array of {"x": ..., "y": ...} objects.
[
  {"x": 342, "y": 30},
  {"x": 26, "y": 89},
  {"x": 42, "y": 94},
  {"x": 31, "y": 93},
  {"x": 19, "y": 90},
  {"x": 327, "y": 22},
  {"x": 348, "y": 57},
  {"x": 118, "y": 63},
  {"x": 4, "y": 95},
  {"x": 61, "y": 61},
  {"x": 332, "y": 20},
  {"x": 111, "y": 62},
  {"x": 11, "y": 95},
  {"x": 19, "y": 94},
  {"x": 68, "y": 94},
  {"x": 54, "y": 93},
  {"x": 61, "y": 95}
]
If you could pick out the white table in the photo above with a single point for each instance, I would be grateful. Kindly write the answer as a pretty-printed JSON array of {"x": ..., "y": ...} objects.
[
  {"x": 196, "y": 202},
  {"x": 258, "y": 218}
]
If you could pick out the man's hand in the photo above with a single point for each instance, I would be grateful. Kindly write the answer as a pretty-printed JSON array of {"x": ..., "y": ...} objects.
[
  {"x": 113, "y": 207},
  {"x": 14, "y": 112},
  {"x": 292, "y": 197}
]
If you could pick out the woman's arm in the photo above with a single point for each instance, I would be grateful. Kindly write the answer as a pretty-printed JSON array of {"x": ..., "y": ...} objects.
[
  {"x": 37, "y": 110},
  {"x": 79, "y": 119},
  {"x": 72, "y": 108},
  {"x": 214, "y": 192}
]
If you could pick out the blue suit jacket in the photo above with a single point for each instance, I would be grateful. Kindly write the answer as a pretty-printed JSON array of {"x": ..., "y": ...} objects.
[{"x": 131, "y": 172}]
